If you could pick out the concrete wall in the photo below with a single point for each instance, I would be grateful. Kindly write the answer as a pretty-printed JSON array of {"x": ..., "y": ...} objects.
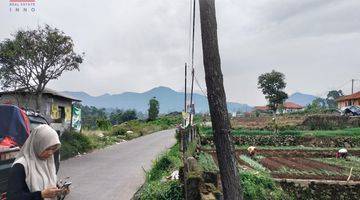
[{"x": 343, "y": 104}]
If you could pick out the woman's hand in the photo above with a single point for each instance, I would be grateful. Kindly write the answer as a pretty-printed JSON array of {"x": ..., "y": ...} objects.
[
  {"x": 50, "y": 192},
  {"x": 65, "y": 191}
]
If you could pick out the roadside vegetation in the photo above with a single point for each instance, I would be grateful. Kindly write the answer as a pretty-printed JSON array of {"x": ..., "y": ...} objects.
[
  {"x": 158, "y": 184},
  {"x": 256, "y": 184},
  {"x": 79, "y": 143}
]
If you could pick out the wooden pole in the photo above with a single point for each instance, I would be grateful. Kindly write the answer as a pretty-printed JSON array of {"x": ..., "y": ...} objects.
[{"x": 217, "y": 102}]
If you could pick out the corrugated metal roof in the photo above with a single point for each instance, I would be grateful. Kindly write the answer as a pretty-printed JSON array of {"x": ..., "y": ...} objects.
[{"x": 46, "y": 91}]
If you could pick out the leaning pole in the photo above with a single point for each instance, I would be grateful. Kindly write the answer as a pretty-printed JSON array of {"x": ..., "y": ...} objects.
[{"x": 217, "y": 102}]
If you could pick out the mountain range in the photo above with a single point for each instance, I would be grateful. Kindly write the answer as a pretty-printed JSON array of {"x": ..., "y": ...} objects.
[{"x": 169, "y": 99}]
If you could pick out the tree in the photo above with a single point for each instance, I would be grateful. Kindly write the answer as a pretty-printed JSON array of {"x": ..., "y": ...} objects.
[
  {"x": 115, "y": 117},
  {"x": 317, "y": 105},
  {"x": 120, "y": 116},
  {"x": 217, "y": 103},
  {"x": 153, "y": 109},
  {"x": 129, "y": 115},
  {"x": 34, "y": 57},
  {"x": 90, "y": 116},
  {"x": 332, "y": 96},
  {"x": 272, "y": 85}
]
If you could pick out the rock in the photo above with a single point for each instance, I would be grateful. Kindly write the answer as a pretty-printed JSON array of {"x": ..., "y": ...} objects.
[{"x": 209, "y": 196}]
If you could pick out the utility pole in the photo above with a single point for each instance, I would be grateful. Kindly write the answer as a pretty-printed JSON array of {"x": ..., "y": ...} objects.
[
  {"x": 217, "y": 103},
  {"x": 185, "y": 109},
  {"x": 352, "y": 86},
  {"x": 191, "y": 96}
]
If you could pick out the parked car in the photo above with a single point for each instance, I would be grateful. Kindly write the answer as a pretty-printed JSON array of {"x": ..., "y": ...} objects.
[
  {"x": 351, "y": 110},
  {"x": 15, "y": 126}
]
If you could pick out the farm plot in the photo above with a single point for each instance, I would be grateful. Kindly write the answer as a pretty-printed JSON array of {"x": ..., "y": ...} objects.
[
  {"x": 300, "y": 164},
  {"x": 305, "y": 164}
]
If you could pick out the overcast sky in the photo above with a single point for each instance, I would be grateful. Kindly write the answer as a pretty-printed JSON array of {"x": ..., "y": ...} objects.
[{"x": 137, "y": 45}]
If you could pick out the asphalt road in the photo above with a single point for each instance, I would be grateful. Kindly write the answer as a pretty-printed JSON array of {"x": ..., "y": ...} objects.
[{"x": 115, "y": 172}]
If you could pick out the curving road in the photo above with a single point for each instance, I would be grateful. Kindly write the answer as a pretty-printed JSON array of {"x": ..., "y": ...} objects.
[{"x": 115, "y": 172}]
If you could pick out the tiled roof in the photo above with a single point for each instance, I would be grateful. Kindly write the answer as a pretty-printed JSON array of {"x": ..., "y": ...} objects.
[
  {"x": 287, "y": 105},
  {"x": 291, "y": 105},
  {"x": 349, "y": 97}
]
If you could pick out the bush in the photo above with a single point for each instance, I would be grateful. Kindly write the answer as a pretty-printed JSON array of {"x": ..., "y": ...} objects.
[
  {"x": 118, "y": 130},
  {"x": 103, "y": 124},
  {"x": 330, "y": 122},
  {"x": 74, "y": 143}
]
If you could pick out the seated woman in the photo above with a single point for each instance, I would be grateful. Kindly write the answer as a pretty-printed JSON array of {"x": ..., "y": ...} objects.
[{"x": 33, "y": 174}]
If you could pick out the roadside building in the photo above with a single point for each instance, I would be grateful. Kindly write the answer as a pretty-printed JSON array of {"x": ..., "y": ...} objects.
[
  {"x": 290, "y": 107},
  {"x": 56, "y": 107},
  {"x": 349, "y": 100},
  {"x": 287, "y": 107}
]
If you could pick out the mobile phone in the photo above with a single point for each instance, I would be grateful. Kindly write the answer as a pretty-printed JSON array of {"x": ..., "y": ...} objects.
[{"x": 66, "y": 185}]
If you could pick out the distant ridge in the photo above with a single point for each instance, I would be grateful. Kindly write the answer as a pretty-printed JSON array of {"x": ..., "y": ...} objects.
[
  {"x": 301, "y": 99},
  {"x": 169, "y": 99}
]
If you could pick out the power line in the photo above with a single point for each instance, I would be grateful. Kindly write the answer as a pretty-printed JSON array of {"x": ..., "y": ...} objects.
[{"x": 198, "y": 84}]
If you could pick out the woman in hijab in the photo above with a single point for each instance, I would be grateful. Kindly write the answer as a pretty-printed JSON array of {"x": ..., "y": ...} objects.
[{"x": 33, "y": 174}]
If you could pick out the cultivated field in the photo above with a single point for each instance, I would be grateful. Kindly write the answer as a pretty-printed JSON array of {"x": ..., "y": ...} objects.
[{"x": 303, "y": 151}]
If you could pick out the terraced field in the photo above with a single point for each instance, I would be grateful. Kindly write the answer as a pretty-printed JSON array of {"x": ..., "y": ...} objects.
[{"x": 300, "y": 164}]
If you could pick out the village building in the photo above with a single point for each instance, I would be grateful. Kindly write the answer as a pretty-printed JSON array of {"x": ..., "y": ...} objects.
[
  {"x": 57, "y": 108},
  {"x": 349, "y": 100},
  {"x": 287, "y": 107}
]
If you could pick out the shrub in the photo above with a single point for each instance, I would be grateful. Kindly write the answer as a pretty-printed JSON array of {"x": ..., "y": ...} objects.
[
  {"x": 326, "y": 122},
  {"x": 118, "y": 130},
  {"x": 73, "y": 144},
  {"x": 103, "y": 124}
]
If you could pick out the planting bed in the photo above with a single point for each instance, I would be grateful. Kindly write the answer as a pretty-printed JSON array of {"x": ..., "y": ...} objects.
[
  {"x": 298, "y": 164},
  {"x": 326, "y": 153}
]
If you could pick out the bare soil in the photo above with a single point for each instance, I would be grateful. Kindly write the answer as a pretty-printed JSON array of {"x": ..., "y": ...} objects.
[{"x": 298, "y": 153}]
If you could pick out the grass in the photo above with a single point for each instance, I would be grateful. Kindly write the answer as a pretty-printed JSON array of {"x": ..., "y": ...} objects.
[
  {"x": 287, "y": 170},
  {"x": 260, "y": 186},
  {"x": 207, "y": 163},
  {"x": 156, "y": 186},
  {"x": 253, "y": 163},
  {"x": 352, "y": 161},
  {"x": 164, "y": 164}
]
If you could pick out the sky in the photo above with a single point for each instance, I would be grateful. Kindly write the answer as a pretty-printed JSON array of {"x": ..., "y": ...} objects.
[{"x": 137, "y": 45}]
